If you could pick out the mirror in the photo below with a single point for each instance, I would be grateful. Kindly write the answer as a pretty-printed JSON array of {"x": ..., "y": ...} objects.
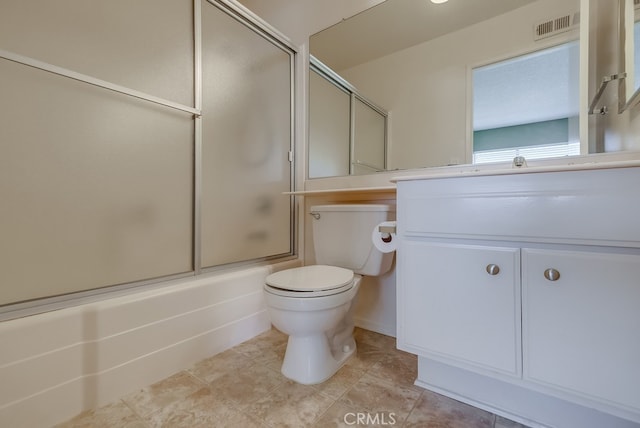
[
  {"x": 415, "y": 59},
  {"x": 630, "y": 38}
]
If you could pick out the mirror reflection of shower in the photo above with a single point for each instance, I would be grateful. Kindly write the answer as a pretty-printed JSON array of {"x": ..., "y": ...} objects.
[{"x": 347, "y": 132}]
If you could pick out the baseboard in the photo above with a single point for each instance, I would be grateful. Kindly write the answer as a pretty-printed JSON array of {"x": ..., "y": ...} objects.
[
  {"x": 480, "y": 405},
  {"x": 515, "y": 402},
  {"x": 388, "y": 330}
]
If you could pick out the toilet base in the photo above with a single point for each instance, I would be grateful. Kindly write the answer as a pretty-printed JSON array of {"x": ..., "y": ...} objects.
[{"x": 310, "y": 360}]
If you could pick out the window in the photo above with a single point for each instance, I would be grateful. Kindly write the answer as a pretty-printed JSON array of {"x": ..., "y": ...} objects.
[{"x": 527, "y": 106}]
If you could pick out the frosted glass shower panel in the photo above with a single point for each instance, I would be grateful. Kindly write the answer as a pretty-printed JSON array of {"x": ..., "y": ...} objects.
[
  {"x": 145, "y": 45},
  {"x": 246, "y": 138},
  {"x": 329, "y": 128},
  {"x": 96, "y": 187},
  {"x": 369, "y": 139}
]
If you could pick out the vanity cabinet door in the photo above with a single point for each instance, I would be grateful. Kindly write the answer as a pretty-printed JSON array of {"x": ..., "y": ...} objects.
[
  {"x": 581, "y": 323},
  {"x": 460, "y": 304}
]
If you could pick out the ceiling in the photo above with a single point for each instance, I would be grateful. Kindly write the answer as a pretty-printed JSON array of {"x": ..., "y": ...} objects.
[{"x": 398, "y": 24}]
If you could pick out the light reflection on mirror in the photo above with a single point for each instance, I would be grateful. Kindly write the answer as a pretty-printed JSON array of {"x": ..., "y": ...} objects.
[{"x": 426, "y": 86}]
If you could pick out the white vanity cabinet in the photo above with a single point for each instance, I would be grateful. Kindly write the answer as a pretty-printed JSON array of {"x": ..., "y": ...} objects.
[
  {"x": 581, "y": 323},
  {"x": 520, "y": 293},
  {"x": 466, "y": 300}
]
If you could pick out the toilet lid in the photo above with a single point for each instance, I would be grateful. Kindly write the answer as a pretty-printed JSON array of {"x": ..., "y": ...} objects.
[{"x": 311, "y": 278}]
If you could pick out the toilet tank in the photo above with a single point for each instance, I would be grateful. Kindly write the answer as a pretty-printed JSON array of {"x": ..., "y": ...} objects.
[{"x": 342, "y": 236}]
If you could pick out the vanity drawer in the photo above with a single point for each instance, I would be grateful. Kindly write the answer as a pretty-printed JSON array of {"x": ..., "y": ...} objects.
[{"x": 564, "y": 207}]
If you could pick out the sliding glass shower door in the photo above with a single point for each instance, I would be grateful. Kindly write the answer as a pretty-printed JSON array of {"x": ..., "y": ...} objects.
[
  {"x": 246, "y": 141},
  {"x": 139, "y": 141}
]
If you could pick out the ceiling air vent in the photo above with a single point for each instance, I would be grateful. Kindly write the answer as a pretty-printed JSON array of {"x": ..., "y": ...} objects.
[{"x": 557, "y": 25}]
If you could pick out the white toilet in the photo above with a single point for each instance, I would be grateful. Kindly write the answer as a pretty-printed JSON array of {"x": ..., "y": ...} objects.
[{"x": 313, "y": 304}]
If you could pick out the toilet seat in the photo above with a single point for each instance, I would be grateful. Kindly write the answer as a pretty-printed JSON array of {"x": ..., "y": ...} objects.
[{"x": 310, "y": 281}]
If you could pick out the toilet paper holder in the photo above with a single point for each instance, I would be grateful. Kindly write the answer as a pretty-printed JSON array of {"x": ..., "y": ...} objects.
[
  {"x": 387, "y": 232},
  {"x": 383, "y": 236},
  {"x": 387, "y": 229}
]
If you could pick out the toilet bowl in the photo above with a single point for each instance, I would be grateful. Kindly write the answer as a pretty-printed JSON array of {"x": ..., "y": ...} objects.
[
  {"x": 313, "y": 304},
  {"x": 317, "y": 320}
]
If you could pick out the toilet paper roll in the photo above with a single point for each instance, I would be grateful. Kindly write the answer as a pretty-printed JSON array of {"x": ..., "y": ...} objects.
[{"x": 384, "y": 242}]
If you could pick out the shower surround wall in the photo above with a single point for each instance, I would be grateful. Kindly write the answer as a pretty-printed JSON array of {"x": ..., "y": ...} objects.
[{"x": 122, "y": 125}]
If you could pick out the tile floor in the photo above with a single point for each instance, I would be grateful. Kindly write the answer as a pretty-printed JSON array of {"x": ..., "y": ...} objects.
[{"x": 243, "y": 387}]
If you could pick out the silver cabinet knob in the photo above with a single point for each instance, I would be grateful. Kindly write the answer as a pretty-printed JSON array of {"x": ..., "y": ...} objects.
[
  {"x": 493, "y": 269},
  {"x": 552, "y": 274}
]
